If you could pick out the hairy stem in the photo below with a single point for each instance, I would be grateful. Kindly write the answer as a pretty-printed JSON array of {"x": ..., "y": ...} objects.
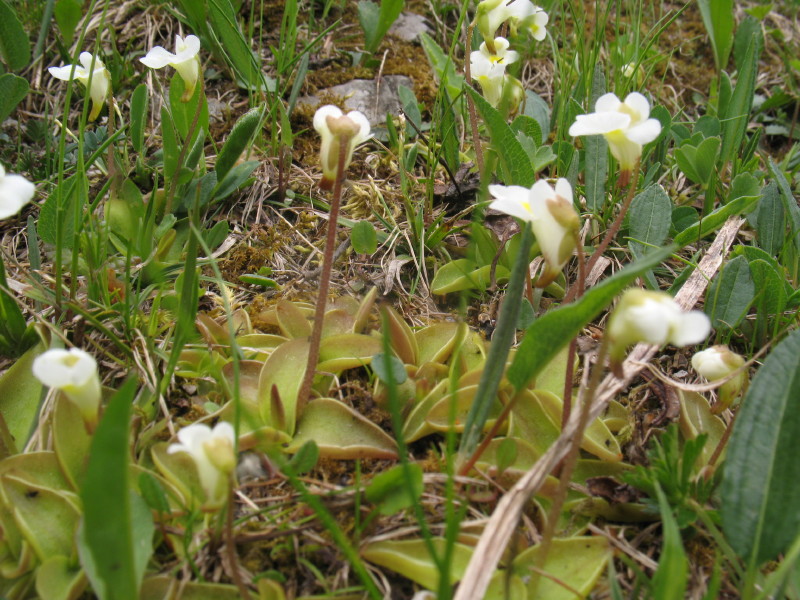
[{"x": 325, "y": 280}]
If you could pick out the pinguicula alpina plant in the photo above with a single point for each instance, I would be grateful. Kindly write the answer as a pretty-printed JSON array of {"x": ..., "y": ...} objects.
[
  {"x": 551, "y": 215},
  {"x": 521, "y": 14},
  {"x": 185, "y": 61},
  {"x": 15, "y": 193},
  {"x": 212, "y": 451},
  {"x": 653, "y": 318},
  {"x": 340, "y": 135},
  {"x": 489, "y": 70},
  {"x": 74, "y": 373},
  {"x": 92, "y": 73},
  {"x": 625, "y": 125}
]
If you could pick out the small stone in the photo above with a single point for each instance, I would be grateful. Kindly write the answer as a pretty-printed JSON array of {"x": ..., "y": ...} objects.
[{"x": 409, "y": 26}]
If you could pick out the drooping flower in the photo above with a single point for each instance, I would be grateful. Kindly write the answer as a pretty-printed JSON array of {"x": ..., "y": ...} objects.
[
  {"x": 718, "y": 362},
  {"x": 96, "y": 80},
  {"x": 489, "y": 70},
  {"x": 73, "y": 372},
  {"x": 340, "y": 133},
  {"x": 15, "y": 192},
  {"x": 185, "y": 60},
  {"x": 212, "y": 453},
  {"x": 522, "y": 14},
  {"x": 625, "y": 125},
  {"x": 653, "y": 318},
  {"x": 551, "y": 215}
]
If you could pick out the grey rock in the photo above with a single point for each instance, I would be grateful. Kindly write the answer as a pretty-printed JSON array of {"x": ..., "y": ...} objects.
[
  {"x": 361, "y": 95},
  {"x": 409, "y": 26}
]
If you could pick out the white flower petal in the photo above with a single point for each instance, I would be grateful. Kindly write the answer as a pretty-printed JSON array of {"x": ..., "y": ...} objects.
[
  {"x": 363, "y": 126},
  {"x": 645, "y": 132},
  {"x": 224, "y": 430},
  {"x": 321, "y": 117},
  {"x": 691, "y": 328},
  {"x": 64, "y": 73},
  {"x": 186, "y": 49},
  {"x": 599, "y": 123},
  {"x": 192, "y": 438},
  {"x": 607, "y": 103},
  {"x": 158, "y": 58},
  {"x": 15, "y": 192},
  {"x": 564, "y": 189},
  {"x": 639, "y": 105}
]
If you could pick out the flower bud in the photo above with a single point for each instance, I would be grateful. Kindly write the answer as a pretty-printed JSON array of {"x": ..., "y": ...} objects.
[{"x": 718, "y": 362}]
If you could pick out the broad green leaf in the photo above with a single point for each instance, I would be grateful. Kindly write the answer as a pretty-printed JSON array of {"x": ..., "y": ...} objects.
[
  {"x": 305, "y": 458},
  {"x": 718, "y": 19},
  {"x": 117, "y": 525},
  {"x": 15, "y": 47},
  {"x": 341, "y": 433},
  {"x": 20, "y": 393},
  {"x": 730, "y": 294},
  {"x": 536, "y": 107},
  {"x": 398, "y": 488},
  {"x": 169, "y": 140},
  {"x": 68, "y": 14},
  {"x": 553, "y": 330},
  {"x": 12, "y": 90},
  {"x": 140, "y": 104},
  {"x": 578, "y": 562},
  {"x": 284, "y": 370},
  {"x": 698, "y": 162},
  {"x": 396, "y": 370},
  {"x": 410, "y": 106},
  {"x": 412, "y": 559},
  {"x": 364, "y": 238},
  {"x": 70, "y": 440},
  {"x": 671, "y": 577},
  {"x": 596, "y": 149},
  {"x": 47, "y": 519},
  {"x": 57, "y": 578},
  {"x": 761, "y": 479},
  {"x": 66, "y": 195},
  {"x": 183, "y": 113},
  {"x": 770, "y": 222},
  {"x": 235, "y": 178},
  {"x": 238, "y": 140},
  {"x": 650, "y": 215},
  {"x": 462, "y": 274},
  {"x": 512, "y": 155}
]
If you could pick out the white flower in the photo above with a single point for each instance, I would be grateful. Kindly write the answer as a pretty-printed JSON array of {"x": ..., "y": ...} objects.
[
  {"x": 212, "y": 452},
  {"x": 625, "y": 125},
  {"x": 185, "y": 61},
  {"x": 718, "y": 362},
  {"x": 98, "y": 81},
  {"x": 73, "y": 372},
  {"x": 15, "y": 192},
  {"x": 339, "y": 132},
  {"x": 551, "y": 215},
  {"x": 521, "y": 13},
  {"x": 489, "y": 69},
  {"x": 653, "y": 318}
]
